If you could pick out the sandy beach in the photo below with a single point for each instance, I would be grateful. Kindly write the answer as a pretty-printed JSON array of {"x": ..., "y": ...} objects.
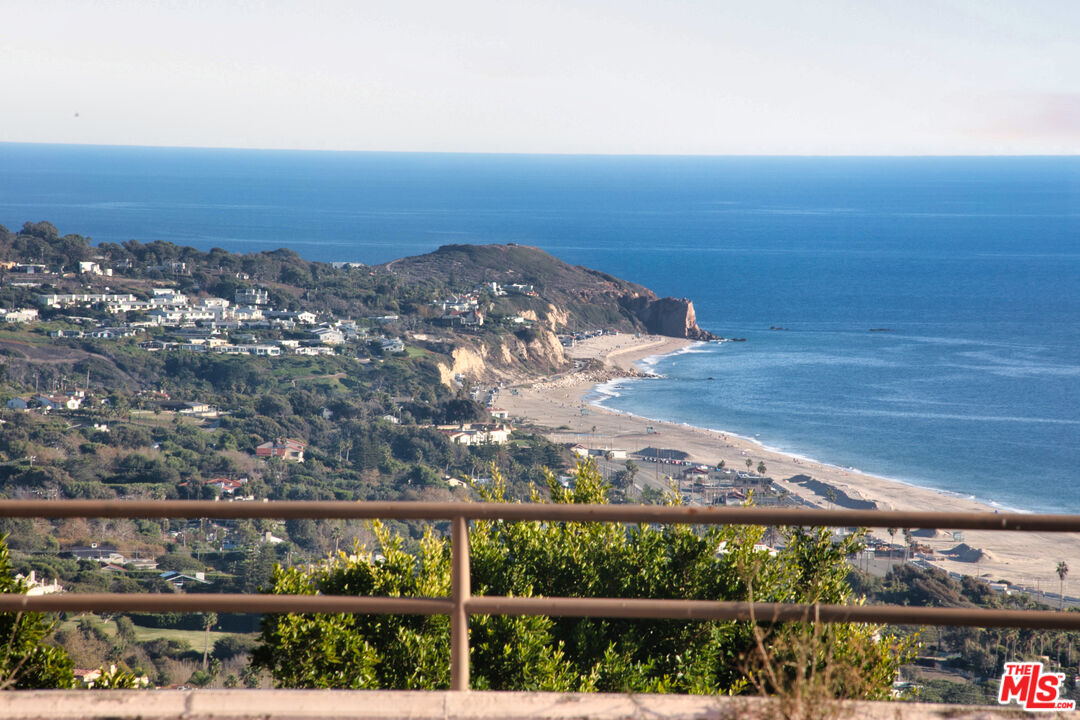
[{"x": 557, "y": 405}]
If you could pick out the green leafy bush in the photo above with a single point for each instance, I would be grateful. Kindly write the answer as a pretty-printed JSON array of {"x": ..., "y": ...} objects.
[
  {"x": 26, "y": 661},
  {"x": 574, "y": 654}
]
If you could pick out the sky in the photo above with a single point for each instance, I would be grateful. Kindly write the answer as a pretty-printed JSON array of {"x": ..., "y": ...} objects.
[{"x": 699, "y": 77}]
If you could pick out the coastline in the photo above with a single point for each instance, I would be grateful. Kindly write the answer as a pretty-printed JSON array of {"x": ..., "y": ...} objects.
[{"x": 560, "y": 406}]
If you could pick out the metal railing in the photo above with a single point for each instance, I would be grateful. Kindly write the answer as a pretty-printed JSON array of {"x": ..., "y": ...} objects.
[{"x": 461, "y": 603}]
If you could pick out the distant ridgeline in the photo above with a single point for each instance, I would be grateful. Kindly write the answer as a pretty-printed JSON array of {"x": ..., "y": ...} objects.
[
  {"x": 524, "y": 284},
  {"x": 567, "y": 294}
]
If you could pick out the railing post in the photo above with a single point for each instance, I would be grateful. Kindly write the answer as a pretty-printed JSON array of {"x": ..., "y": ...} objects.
[{"x": 459, "y": 591}]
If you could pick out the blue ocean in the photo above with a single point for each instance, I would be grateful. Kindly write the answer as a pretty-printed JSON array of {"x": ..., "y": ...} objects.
[{"x": 930, "y": 306}]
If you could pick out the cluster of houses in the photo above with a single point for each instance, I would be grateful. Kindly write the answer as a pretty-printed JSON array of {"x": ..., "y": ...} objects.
[
  {"x": 45, "y": 402},
  {"x": 463, "y": 310},
  {"x": 19, "y": 315},
  {"x": 209, "y": 324},
  {"x": 698, "y": 484},
  {"x": 108, "y": 556},
  {"x": 714, "y": 486},
  {"x": 75, "y": 399},
  {"x": 170, "y": 307}
]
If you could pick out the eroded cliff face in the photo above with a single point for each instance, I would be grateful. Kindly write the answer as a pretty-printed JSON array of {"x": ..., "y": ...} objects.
[
  {"x": 508, "y": 358},
  {"x": 466, "y": 361},
  {"x": 673, "y": 317}
]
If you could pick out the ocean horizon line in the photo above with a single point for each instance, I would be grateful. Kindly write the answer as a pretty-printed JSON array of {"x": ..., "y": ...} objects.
[{"x": 547, "y": 154}]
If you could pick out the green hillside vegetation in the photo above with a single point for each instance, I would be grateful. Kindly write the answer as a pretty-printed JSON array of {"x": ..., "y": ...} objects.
[
  {"x": 365, "y": 416},
  {"x": 592, "y": 298}
]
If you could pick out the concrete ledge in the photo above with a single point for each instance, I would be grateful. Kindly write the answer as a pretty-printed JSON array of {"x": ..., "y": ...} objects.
[{"x": 392, "y": 705}]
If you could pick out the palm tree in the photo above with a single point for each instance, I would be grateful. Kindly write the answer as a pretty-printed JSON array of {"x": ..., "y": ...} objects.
[
  {"x": 749, "y": 464},
  {"x": 1062, "y": 571},
  {"x": 209, "y": 620},
  {"x": 761, "y": 467}
]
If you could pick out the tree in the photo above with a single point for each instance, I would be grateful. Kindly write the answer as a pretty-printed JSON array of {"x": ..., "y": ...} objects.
[
  {"x": 1062, "y": 571},
  {"x": 26, "y": 661},
  {"x": 568, "y": 654},
  {"x": 209, "y": 620},
  {"x": 761, "y": 467},
  {"x": 625, "y": 478},
  {"x": 749, "y": 464}
]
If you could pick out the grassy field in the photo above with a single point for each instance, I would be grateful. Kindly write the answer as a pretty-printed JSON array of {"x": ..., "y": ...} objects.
[{"x": 195, "y": 638}]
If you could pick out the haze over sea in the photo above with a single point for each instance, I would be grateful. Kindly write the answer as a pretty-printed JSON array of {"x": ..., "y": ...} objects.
[{"x": 972, "y": 264}]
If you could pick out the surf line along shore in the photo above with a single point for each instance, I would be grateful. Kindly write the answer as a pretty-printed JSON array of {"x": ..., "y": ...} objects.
[{"x": 555, "y": 404}]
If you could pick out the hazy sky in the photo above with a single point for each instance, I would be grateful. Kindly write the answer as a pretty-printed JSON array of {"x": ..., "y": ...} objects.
[{"x": 589, "y": 76}]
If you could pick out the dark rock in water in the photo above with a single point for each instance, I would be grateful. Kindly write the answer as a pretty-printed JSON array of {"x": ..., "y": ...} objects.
[{"x": 881, "y": 329}]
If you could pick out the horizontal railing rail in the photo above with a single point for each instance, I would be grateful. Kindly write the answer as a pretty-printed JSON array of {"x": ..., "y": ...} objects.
[
  {"x": 462, "y": 603},
  {"x": 666, "y": 514},
  {"x": 550, "y": 606}
]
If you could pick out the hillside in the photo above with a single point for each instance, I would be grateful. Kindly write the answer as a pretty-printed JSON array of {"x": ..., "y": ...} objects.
[{"x": 569, "y": 296}]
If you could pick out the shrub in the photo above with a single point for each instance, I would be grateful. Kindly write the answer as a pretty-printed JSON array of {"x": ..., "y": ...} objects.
[{"x": 571, "y": 654}]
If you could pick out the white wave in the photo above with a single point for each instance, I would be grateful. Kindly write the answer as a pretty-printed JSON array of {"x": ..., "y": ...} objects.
[
  {"x": 694, "y": 348},
  {"x": 920, "y": 483}
]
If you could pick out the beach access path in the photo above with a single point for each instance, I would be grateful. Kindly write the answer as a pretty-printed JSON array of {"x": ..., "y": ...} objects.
[{"x": 557, "y": 406}]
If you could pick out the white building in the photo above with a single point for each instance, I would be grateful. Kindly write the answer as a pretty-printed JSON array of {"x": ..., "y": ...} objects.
[
  {"x": 252, "y": 296},
  {"x": 329, "y": 336},
  {"x": 22, "y": 315},
  {"x": 58, "y": 300},
  {"x": 495, "y": 434},
  {"x": 36, "y": 587},
  {"x": 260, "y": 350},
  {"x": 318, "y": 350}
]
